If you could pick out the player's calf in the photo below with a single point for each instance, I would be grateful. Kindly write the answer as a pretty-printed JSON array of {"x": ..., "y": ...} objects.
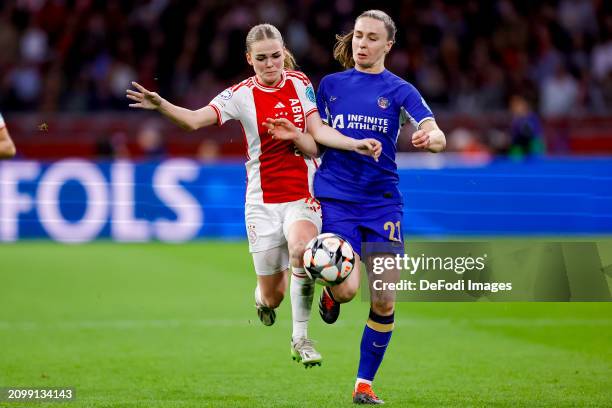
[{"x": 265, "y": 311}]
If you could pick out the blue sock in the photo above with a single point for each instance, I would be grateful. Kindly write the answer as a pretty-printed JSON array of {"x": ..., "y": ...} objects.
[{"x": 374, "y": 341}]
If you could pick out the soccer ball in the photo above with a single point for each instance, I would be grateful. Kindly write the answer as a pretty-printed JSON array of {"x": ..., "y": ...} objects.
[{"x": 329, "y": 259}]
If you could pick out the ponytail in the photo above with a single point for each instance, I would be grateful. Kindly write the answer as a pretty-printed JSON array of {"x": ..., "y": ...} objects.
[
  {"x": 343, "y": 50},
  {"x": 289, "y": 62}
]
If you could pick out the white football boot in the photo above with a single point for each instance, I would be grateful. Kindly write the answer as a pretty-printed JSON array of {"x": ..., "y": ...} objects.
[{"x": 303, "y": 351}]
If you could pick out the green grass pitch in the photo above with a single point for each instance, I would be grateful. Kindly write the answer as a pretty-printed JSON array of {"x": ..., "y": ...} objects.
[{"x": 158, "y": 325}]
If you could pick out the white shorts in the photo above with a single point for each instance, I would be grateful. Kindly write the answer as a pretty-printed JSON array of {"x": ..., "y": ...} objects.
[
  {"x": 271, "y": 261},
  {"x": 268, "y": 226}
]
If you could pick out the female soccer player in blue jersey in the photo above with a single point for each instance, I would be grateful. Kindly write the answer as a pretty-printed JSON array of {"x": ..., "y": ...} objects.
[{"x": 359, "y": 197}]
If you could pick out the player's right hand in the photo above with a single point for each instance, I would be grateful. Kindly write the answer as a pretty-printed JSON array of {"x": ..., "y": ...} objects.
[
  {"x": 144, "y": 98},
  {"x": 369, "y": 147},
  {"x": 281, "y": 129}
]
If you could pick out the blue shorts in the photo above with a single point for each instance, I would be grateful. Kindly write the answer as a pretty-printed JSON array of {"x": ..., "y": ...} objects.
[{"x": 361, "y": 223}]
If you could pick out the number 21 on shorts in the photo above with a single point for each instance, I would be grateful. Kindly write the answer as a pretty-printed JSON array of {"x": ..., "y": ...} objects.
[{"x": 392, "y": 228}]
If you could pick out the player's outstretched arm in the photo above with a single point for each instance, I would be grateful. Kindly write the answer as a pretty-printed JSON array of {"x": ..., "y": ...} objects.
[
  {"x": 324, "y": 135},
  {"x": 186, "y": 118},
  {"x": 7, "y": 147},
  {"x": 430, "y": 137},
  {"x": 330, "y": 137}
]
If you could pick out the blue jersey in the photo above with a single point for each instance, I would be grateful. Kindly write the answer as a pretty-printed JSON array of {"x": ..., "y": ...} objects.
[{"x": 362, "y": 105}]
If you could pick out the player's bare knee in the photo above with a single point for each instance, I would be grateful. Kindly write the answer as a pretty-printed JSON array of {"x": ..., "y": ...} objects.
[
  {"x": 296, "y": 255},
  {"x": 383, "y": 307},
  {"x": 296, "y": 251}
]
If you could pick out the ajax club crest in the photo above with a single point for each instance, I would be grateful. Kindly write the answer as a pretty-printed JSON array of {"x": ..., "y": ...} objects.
[{"x": 252, "y": 234}]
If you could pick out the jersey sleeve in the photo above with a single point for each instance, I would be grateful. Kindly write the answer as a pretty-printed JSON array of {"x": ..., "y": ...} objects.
[
  {"x": 1, "y": 121},
  {"x": 305, "y": 92},
  {"x": 414, "y": 106},
  {"x": 226, "y": 106},
  {"x": 321, "y": 104}
]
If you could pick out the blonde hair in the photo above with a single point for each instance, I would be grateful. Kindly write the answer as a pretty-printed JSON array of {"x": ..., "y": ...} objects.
[
  {"x": 268, "y": 31},
  {"x": 343, "y": 50}
]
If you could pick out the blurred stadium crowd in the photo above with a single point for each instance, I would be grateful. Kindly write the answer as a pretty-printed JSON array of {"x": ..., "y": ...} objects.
[{"x": 466, "y": 57}]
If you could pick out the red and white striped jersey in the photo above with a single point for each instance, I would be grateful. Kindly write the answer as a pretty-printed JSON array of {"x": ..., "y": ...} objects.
[{"x": 276, "y": 171}]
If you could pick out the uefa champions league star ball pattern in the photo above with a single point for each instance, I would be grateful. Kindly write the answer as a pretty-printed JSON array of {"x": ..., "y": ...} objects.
[{"x": 329, "y": 259}]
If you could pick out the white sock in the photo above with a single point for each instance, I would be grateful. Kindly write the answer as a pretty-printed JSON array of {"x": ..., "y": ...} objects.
[
  {"x": 302, "y": 292},
  {"x": 258, "y": 298}
]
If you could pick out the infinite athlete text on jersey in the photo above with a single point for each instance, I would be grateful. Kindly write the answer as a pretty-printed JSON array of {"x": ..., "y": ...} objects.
[{"x": 361, "y": 122}]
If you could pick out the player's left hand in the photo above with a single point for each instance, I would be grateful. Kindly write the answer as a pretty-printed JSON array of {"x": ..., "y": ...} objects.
[
  {"x": 282, "y": 129},
  {"x": 369, "y": 147},
  {"x": 421, "y": 139}
]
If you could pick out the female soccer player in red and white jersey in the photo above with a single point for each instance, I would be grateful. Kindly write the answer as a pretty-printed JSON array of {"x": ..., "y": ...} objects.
[{"x": 281, "y": 213}]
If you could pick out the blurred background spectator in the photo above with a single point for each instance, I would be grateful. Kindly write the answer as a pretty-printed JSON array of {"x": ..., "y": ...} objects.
[
  {"x": 468, "y": 58},
  {"x": 112, "y": 147},
  {"x": 208, "y": 151},
  {"x": 151, "y": 141},
  {"x": 525, "y": 129}
]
